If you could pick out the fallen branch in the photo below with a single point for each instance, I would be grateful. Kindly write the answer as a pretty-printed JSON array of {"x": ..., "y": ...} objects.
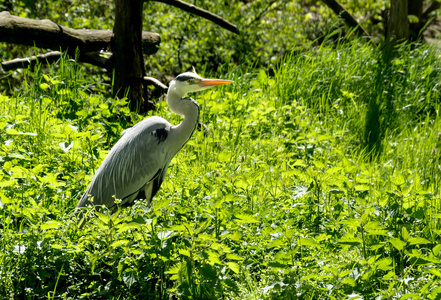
[
  {"x": 202, "y": 13},
  {"x": 49, "y": 35}
]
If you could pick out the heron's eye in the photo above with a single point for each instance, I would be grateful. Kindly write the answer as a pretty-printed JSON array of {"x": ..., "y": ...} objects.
[{"x": 191, "y": 81}]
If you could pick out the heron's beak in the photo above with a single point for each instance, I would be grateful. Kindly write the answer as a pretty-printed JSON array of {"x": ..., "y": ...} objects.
[{"x": 213, "y": 82}]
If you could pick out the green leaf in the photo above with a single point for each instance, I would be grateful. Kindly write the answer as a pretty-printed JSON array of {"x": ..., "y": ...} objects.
[
  {"x": 410, "y": 296},
  {"x": 245, "y": 218},
  {"x": 174, "y": 269},
  {"x": 7, "y": 183},
  {"x": 130, "y": 277},
  {"x": 50, "y": 225},
  {"x": 44, "y": 86},
  {"x": 213, "y": 257},
  {"x": 361, "y": 188},
  {"x": 418, "y": 241},
  {"x": 436, "y": 249},
  {"x": 397, "y": 243},
  {"x": 161, "y": 204},
  {"x": 235, "y": 236},
  {"x": 349, "y": 281},
  {"x": 231, "y": 256},
  {"x": 276, "y": 244},
  {"x": 105, "y": 219},
  {"x": 435, "y": 272},
  {"x": 57, "y": 246},
  {"x": 385, "y": 264},
  {"x": 119, "y": 243},
  {"x": 350, "y": 241},
  {"x": 309, "y": 242},
  {"x": 233, "y": 267},
  {"x": 123, "y": 227},
  {"x": 404, "y": 233},
  {"x": 184, "y": 252}
]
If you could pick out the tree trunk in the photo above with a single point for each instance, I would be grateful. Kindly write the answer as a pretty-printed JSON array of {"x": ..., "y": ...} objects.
[
  {"x": 128, "y": 59},
  {"x": 399, "y": 23}
]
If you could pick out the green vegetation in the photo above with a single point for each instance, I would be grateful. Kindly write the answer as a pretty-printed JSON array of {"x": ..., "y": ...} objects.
[
  {"x": 321, "y": 181},
  {"x": 269, "y": 29}
]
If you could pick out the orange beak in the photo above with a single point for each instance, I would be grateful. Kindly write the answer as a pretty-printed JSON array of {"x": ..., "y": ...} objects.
[{"x": 214, "y": 82}]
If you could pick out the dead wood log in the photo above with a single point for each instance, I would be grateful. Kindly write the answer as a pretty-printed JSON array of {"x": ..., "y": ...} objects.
[{"x": 49, "y": 35}]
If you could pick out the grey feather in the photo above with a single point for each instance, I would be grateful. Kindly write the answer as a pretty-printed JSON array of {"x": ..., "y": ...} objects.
[{"x": 131, "y": 165}]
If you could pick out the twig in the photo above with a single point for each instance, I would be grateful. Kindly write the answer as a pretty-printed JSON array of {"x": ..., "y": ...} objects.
[
  {"x": 202, "y": 13},
  {"x": 93, "y": 58},
  {"x": 17, "y": 63},
  {"x": 155, "y": 82}
]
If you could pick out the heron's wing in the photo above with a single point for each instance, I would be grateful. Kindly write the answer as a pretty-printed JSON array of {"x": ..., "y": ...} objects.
[{"x": 135, "y": 161}]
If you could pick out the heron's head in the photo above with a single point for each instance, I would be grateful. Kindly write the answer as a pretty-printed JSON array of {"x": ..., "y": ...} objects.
[{"x": 189, "y": 82}]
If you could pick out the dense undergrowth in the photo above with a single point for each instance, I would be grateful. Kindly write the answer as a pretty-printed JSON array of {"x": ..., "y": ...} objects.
[{"x": 319, "y": 182}]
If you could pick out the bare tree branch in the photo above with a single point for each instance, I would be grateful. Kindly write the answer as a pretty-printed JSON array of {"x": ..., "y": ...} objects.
[
  {"x": 18, "y": 63},
  {"x": 346, "y": 16},
  {"x": 434, "y": 5},
  {"x": 93, "y": 58},
  {"x": 202, "y": 13}
]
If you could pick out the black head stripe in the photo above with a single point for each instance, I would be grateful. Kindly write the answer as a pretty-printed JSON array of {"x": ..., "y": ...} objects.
[{"x": 183, "y": 77}]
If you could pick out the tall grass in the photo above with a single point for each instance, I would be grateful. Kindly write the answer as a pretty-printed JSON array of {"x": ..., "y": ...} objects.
[{"x": 319, "y": 182}]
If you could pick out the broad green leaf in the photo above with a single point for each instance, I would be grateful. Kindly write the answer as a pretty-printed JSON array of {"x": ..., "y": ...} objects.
[
  {"x": 361, "y": 188},
  {"x": 410, "y": 296},
  {"x": 105, "y": 219},
  {"x": 44, "y": 86},
  {"x": 173, "y": 269},
  {"x": 7, "y": 183},
  {"x": 245, "y": 218},
  {"x": 350, "y": 241},
  {"x": 206, "y": 237},
  {"x": 435, "y": 272},
  {"x": 18, "y": 172},
  {"x": 130, "y": 277},
  {"x": 233, "y": 267},
  {"x": 235, "y": 236},
  {"x": 344, "y": 273},
  {"x": 385, "y": 264},
  {"x": 309, "y": 242},
  {"x": 213, "y": 257},
  {"x": 119, "y": 243},
  {"x": 123, "y": 227},
  {"x": 57, "y": 246},
  {"x": 349, "y": 281},
  {"x": 231, "y": 256},
  {"x": 161, "y": 203},
  {"x": 276, "y": 244},
  {"x": 436, "y": 249},
  {"x": 37, "y": 169},
  {"x": 418, "y": 241},
  {"x": 184, "y": 252},
  {"x": 397, "y": 243},
  {"x": 404, "y": 233},
  {"x": 50, "y": 225}
]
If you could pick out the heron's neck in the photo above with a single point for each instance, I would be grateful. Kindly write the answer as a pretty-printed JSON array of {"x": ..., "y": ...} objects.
[{"x": 187, "y": 108}]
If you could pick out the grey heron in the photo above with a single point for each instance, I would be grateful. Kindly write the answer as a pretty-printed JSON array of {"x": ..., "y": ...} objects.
[{"x": 136, "y": 165}]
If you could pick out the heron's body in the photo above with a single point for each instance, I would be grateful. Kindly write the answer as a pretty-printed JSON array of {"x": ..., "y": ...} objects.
[{"x": 136, "y": 166}]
